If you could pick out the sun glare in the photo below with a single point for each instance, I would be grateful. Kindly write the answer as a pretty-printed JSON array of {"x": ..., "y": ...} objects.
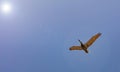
[{"x": 6, "y": 7}]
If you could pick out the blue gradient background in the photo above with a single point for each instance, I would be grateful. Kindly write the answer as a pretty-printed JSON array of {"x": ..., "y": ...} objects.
[{"x": 37, "y": 35}]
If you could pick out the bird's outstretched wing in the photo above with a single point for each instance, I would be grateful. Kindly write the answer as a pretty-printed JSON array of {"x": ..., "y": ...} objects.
[
  {"x": 92, "y": 40},
  {"x": 75, "y": 48}
]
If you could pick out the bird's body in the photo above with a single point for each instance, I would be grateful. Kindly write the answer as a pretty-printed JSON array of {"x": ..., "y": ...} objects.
[{"x": 87, "y": 44}]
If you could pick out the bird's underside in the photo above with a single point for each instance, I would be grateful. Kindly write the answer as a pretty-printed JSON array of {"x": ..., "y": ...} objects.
[{"x": 86, "y": 45}]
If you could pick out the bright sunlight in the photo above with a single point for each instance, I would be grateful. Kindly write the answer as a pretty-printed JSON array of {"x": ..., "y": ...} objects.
[{"x": 6, "y": 7}]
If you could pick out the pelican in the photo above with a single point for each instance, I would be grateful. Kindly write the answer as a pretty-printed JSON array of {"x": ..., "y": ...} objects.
[{"x": 87, "y": 44}]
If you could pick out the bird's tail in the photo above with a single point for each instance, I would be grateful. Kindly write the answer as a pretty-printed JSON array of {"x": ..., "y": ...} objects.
[{"x": 86, "y": 50}]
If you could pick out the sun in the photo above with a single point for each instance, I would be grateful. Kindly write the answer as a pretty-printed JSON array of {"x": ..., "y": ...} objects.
[{"x": 6, "y": 7}]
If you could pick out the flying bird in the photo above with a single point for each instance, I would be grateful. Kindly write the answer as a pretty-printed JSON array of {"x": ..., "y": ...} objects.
[{"x": 87, "y": 44}]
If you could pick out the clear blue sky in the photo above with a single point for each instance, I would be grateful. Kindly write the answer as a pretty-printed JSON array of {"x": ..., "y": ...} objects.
[{"x": 37, "y": 34}]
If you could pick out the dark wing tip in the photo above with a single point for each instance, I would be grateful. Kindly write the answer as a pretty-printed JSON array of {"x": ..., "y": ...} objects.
[{"x": 70, "y": 48}]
